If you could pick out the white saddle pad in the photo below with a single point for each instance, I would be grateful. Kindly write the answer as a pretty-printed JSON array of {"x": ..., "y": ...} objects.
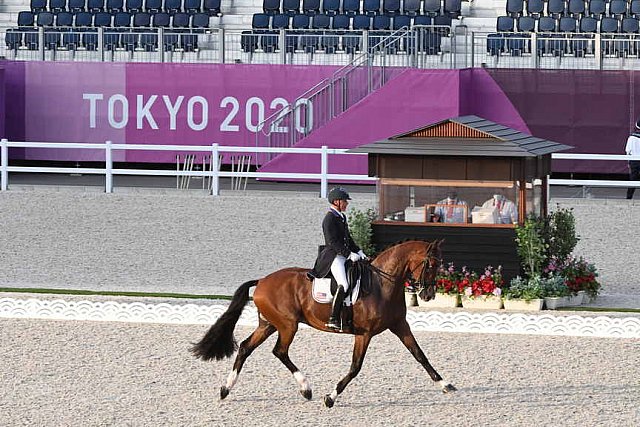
[{"x": 321, "y": 291}]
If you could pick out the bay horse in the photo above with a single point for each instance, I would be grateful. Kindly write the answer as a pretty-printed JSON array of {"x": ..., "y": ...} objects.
[{"x": 284, "y": 300}]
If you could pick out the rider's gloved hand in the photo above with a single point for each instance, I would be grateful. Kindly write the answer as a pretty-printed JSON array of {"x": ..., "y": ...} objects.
[
  {"x": 363, "y": 255},
  {"x": 353, "y": 257}
]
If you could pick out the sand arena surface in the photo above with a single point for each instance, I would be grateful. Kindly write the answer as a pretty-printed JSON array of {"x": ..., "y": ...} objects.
[{"x": 63, "y": 373}]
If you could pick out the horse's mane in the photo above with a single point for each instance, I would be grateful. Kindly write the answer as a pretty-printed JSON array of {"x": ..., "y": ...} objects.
[{"x": 391, "y": 246}]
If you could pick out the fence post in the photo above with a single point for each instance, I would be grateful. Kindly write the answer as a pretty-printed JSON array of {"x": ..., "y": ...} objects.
[
  {"x": 324, "y": 166},
  {"x": 4, "y": 164},
  {"x": 215, "y": 178},
  {"x": 108, "y": 166}
]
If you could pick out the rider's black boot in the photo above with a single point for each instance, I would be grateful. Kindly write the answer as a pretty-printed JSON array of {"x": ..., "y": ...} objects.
[{"x": 334, "y": 319}]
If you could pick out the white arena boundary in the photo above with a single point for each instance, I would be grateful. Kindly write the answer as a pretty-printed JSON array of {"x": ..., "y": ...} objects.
[{"x": 432, "y": 321}]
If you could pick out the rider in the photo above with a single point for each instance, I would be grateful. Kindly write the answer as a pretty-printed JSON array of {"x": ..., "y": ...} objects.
[{"x": 339, "y": 246}]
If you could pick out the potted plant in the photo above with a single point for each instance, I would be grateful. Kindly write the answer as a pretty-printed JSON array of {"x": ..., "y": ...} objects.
[
  {"x": 555, "y": 292},
  {"x": 410, "y": 295},
  {"x": 482, "y": 292},
  {"x": 581, "y": 279},
  {"x": 524, "y": 294},
  {"x": 447, "y": 292}
]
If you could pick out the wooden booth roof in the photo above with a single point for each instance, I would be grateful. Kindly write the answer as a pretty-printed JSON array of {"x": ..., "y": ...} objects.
[{"x": 464, "y": 136}]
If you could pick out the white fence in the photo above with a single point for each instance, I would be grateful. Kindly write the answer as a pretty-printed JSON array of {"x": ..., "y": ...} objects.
[{"x": 214, "y": 174}]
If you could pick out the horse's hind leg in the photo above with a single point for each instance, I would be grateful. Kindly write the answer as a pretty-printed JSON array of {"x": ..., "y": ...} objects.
[
  {"x": 281, "y": 351},
  {"x": 403, "y": 331},
  {"x": 262, "y": 332},
  {"x": 360, "y": 346}
]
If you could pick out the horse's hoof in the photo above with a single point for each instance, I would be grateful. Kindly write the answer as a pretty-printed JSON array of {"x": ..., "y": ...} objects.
[
  {"x": 449, "y": 388},
  {"x": 224, "y": 392},
  {"x": 328, "y": 401},
  {"x": 306, "y": 394}
]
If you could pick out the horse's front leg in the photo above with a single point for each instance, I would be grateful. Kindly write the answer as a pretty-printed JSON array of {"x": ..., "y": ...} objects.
[
  {"x": 403, "y": 331},
  {"x": 360, "y": 346}
]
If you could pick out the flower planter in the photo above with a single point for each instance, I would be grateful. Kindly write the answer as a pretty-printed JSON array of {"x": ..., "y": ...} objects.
[
  {"x": 411, "y": 299},
  {"x": 583, "y": 297},
  {"x": 553, "y": 303},
  {"x": 440, "y": 301},
  {"x": 486, "y": 302},
  {"x": 523, "y": 305},
  {"x": 574, "y": 300}
]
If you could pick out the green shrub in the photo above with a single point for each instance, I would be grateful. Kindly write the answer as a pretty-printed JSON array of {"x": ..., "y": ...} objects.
[
  {"x": 561, "y": 234},
  {"x": 531, "y": 246},
  {"x": 526, "y": 289},
  {"x": 361, "y": 231}
]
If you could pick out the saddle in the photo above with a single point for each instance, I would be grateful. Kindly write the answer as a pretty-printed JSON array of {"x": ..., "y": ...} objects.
[{"x": 323, "y": 289}]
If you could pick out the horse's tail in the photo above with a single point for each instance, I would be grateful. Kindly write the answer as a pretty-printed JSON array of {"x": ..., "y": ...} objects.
[{"x": 219, "y": 341}]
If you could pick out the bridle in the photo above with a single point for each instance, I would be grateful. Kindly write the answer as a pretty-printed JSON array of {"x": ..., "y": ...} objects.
[{"x": 421, "y": 283}]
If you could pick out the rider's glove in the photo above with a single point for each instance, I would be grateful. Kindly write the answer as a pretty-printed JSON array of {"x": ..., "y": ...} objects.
[
  {"x": 353, "y": 257},
  {"x": 362, "y": 255}
]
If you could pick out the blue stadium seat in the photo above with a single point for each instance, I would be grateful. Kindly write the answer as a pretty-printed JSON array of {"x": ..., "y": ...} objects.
[
  {"x": 411, "y": 7},
  {"x": 248, "y": 41},
  {"x": 25, "y": 19},
  {"x": 300, "y": 22},
  {"x": 211, "y": 7},
  {"x": 57, "y": 6},
  {"x": 115, "y": 6},
  {"x": 133, "y": 6},
  {"x": 71, "y": 40},
  {"x": 588, "y": 24},
  {"x": 597, "y": 8},
  {"x": 361, "y": 22},
  {"x": 380, "y": 25},
  {"x": 634, "y": 9},
  {"x": 568, "y": 24},
  {"x": 200, "y": 22},
  {"x": 618, "y": 8},
  {"x": 341, "y": 22},
  {"x": 172, "y": 6},
  {"x": 129, "y": 41},
  {"x": 122, "y": 19},
  {"x": 291, "y": 7},
  {"x": 31, "y": 40},
  {"x": 52, "y": 39},
  {"x": 495, "y": 44},
  {"x": 371, "y": 7},
  {"x": 515, "y": 8},
  {"x": 152, "y": 6},
  {"x": 83, "y": 20},
  {"x": 160, "y": 19},
  {"x": 149, "y": 42},
  {"x": 189, "y": 42},
  {"x": 535, "y": 7},
  {"x": 180, "y": 21},
  {"x": 13, "y": 39},
  {"x": 142, "y": 20},
  {"x": 271, "y": 7},
  {"x": 310, "y": 41},
  {"x": 452, "y": 8},
  {"x": 38, "y": 6},
  {"x": 423, "y": 20},
  {"x": 608, "y": 25},
  {"x": 331, "y": 41},
  {"x": 431, "y": 7},
  {"x": 526, "y": 24},
  {"x": 260, "y": 21},
  {"x": 555, "y": 8},
  {"x": 192, "y": 6},
  {"x": 95, "y": 6},
  {"x": 311, "y": 7},
  {"x": 505, "y": 23},
  {"x": 351, "y": 7},
  {"x": 576, "y": 8},
  {"x": 280, "y": 21},
  {"x": 401, "y": 21},
  {"x": 629, "y": 25},
  {"x": 331, "y": 7},
  {"x": 44, "y": 19},
  {"x": 584, "y": 45},
  {"x": 547, "y": 24},
  {"x": 76, "y": 6},
  {"x": 444, "y": 24},
  {"x": 391, "y": 7},
  {"x": 64, "y": 19},
  {"x": 320, "y": 22}
]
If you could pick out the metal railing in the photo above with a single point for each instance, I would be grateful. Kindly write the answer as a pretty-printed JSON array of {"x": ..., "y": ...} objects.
[
  {"x": 365, "y": 74},
  {"x": 585, "y": 183},
  {"x": 213, "y": 173}
]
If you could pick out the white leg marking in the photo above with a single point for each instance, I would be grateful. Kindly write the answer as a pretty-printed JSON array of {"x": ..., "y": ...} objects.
[
  {"x": 302, "y": 381},
  {"x": 231, "y": 379},
  {"x": 442, "y": 383},
  {"x": 334, "y": 394}
]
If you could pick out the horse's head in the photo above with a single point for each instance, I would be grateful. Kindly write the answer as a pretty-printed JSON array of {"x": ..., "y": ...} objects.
[{"x": 422, "y": 269}]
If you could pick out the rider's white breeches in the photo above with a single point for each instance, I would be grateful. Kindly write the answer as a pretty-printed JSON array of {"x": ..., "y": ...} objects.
[{"x": 338, "y": 271}]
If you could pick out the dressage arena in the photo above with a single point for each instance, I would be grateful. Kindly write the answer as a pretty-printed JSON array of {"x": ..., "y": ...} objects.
[{"x": 89, "y": 372}]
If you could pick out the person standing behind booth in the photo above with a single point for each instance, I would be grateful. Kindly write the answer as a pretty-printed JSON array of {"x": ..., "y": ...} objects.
[
  {"x": 339, "y": 246},
  {"x": 633, "y": 149},
  {"x": 507, "y": 212},
  {"x": 451, "y": 209}
]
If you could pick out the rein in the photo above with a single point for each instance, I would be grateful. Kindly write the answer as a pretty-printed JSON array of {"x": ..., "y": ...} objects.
[{"x": 393, "y": 278}]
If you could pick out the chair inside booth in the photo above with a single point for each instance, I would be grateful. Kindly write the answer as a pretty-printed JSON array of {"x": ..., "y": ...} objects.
[{"x": 456, "y": 202}]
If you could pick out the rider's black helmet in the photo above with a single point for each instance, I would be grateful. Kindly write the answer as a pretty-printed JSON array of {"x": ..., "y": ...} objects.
[
  {"x": 638, "y": 124},
  {"x": 337, "y": 193}
]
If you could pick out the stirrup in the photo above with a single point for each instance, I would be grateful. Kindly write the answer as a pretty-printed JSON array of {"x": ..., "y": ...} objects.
[{"x": 333, "y": 325}]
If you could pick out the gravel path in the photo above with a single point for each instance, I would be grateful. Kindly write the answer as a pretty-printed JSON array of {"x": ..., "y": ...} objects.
[
  {"x": 100, "y": 373},
  {"x": 170, "y": 241}
]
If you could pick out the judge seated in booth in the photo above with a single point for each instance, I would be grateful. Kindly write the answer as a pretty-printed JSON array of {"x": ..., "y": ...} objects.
[
  {"x": 506, "y": 209},
  {"x": 451, "y": 210}
]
